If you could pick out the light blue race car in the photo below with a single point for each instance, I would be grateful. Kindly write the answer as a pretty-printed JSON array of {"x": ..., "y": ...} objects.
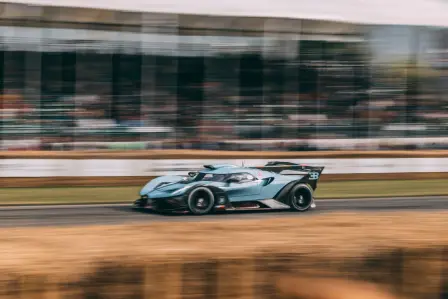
[{"x": 277, "y": 185}]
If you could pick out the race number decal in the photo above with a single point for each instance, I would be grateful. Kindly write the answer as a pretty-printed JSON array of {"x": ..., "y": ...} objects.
[{"x": 314, "y": 175}]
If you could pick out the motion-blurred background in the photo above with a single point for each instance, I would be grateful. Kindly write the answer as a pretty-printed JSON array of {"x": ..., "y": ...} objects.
[
  {"x": 331, "y": 83},
  {"x": 87, "y": 78}
]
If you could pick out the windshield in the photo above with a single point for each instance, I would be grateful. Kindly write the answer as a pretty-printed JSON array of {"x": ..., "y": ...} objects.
[{"x": 209, "y": 177}]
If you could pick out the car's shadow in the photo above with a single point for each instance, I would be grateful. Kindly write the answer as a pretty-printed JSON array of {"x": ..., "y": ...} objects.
[{"x": 130, "y": 209}]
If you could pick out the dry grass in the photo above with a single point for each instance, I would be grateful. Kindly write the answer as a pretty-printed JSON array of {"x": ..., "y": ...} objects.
[
  {"x": 288, "y": 287},
  {"x": 75, "y": 249}
]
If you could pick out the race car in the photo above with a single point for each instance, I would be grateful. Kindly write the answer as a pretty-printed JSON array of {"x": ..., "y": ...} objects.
[{"x": 222, "y": 187}]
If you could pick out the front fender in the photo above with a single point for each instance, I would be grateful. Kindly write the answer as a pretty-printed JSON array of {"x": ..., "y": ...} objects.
[{"x": 155, "y": 182}]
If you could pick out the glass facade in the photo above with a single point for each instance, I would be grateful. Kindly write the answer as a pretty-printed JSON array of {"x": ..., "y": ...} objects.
[{"x": 94, "y": 79}]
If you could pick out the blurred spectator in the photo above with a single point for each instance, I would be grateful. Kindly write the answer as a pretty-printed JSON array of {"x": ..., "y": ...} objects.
[{"x": 244, "y": 99}]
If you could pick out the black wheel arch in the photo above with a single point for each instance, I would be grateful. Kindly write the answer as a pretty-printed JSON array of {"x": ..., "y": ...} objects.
[{"x": 283, "y": 195}]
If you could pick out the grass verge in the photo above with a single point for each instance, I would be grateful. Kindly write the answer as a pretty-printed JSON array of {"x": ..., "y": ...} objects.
[
  {"x": 336, "y": 236},
  {"x": 348, "y": 189}
]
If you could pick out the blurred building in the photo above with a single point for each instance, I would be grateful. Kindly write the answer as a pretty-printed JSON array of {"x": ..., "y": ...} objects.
[{"x": 228, "y": 75}]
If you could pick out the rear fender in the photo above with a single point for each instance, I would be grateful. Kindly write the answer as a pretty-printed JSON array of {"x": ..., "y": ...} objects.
[
  {"x": 313, "y": 176},
  {"x": 310, "y": 179},
  {"x": 283, "y": 195}
]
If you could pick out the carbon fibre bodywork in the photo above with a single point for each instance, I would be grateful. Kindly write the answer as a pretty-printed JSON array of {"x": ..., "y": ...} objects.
[{"x": 232, "y": 188}]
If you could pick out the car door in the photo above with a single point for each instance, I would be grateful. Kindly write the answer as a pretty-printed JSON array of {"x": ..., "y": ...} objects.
[{"x": 242, "y": 187}]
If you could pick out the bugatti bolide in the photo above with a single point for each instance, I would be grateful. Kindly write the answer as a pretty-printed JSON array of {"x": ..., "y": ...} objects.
[{"x": 276, "y": 185}]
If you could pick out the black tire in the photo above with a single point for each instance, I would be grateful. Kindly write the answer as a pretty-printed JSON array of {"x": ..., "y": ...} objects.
[
  {"x": 301, "y": 198},
  {"x": 201, "y": 201}
]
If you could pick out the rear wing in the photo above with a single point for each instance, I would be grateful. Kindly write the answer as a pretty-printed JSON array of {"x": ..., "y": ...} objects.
[{"x": 286, "y": 168}]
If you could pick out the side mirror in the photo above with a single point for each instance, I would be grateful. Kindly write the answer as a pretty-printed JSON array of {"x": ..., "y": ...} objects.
[{"x": 192, "y": 173}]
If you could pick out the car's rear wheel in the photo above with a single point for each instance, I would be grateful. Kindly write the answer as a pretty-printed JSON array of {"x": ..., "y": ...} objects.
[
  {"x": 201, "y": 201},
  {"x": 301, "y": 198}
]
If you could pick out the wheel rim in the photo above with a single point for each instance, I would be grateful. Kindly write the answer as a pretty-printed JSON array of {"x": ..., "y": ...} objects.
[
  {"x": 201, "y": 200},
  {"x": 302, "y": 199}
]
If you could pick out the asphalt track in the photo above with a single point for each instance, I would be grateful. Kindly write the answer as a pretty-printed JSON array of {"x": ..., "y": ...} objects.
[{"x": 14, "y": 216}]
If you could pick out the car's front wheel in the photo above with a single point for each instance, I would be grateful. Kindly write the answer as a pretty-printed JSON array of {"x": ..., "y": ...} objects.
[
  {"x": 201, "y": 201},
  {"x": 301, "y": 198}
]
